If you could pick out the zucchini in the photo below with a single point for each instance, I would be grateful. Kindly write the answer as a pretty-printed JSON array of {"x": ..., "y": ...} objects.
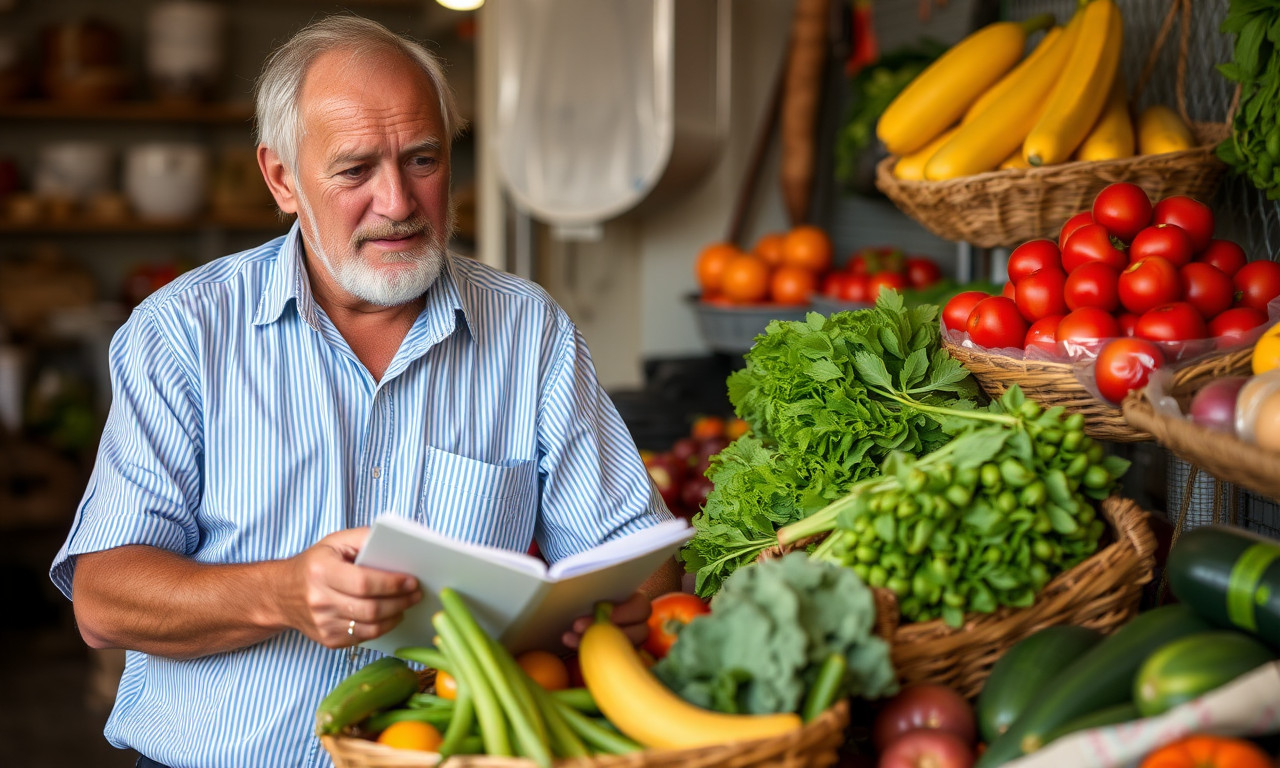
[
  {"x": 1231, "y": 577},
  {"x": 1023, "y": 673},
  {"x": 377, "y": 685},
  {"x": 1184, "y": 669},
  {"x": 1107, "y": 716},
  {"x": 1103, "y": 676}
]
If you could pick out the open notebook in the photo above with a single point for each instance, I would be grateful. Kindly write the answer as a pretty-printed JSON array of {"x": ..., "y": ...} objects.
[{"x": 515, "y": 597}]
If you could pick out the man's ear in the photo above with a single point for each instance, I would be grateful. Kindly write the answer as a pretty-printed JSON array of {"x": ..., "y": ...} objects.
[{"x": 279, "y": 179}]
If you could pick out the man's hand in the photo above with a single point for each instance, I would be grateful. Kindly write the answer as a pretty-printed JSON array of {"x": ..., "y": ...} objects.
[
  {"x": 631, "y": 616},
  {"x": 327, "y": 591}
]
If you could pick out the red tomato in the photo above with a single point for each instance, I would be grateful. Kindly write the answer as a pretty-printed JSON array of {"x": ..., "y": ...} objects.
[
  {"x": 1177, "y": 321},
  {"x": 1040, "y": 294},
  {"x": 1043, "y": 333},
  {"x": 833, "y": 284},
  {"x": 1148, "y": 283},
  {"x": 1123, "y": 208},
  {"x": 1225, "y": 255},
  {"x": 923, "y": 705},
  {"x": 927, "y": 748},
  {"x": 1009, "y": 291},
  {"x": 1124, "y": 365},
  {"x": 1033, "y": 256},
  {"x": 1258, "y": 283},
  {"x": 857, "y": 264},
  {"x": 1195, "y": 218},
  {"x": 996, "y": 323},
  {"x": 1092, "y": 242},
  {"x": 1087, "y": 324},
  {"x": 1163, "y": 240},
  {"x": 857, "y": 289},
  {"x": 1093, "y": 285},
  {"x": 922, "y": 272},
  {"x": 1236, "y": 322},
  {"x": 881, "y": 280},
  {"x": 1128, "y": 323},
  {"x": 1073, "y": 223},
  {"x": 670, "y": 611},
  {"x": 1206, "y": 288},
  {"x": 955, "y": 315}
]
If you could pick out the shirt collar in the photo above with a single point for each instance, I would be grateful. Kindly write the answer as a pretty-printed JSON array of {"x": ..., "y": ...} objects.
[{"x": 447, "y": 298}]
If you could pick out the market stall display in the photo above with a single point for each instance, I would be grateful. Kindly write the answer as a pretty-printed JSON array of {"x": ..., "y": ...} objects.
[{"x": 1043, "y": 111}]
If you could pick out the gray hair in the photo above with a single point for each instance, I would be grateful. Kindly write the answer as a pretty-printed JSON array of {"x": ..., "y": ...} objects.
[{"x": 276, "y": 91}]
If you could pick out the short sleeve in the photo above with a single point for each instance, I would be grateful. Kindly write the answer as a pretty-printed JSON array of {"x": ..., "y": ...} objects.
[{"x": 145, "y": 485}]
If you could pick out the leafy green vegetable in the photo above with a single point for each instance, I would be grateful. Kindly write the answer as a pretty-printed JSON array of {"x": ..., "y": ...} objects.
[
  {"x": 1253, "y": 149},
  {"x": 811, "y": 392},
  {"x": 770, "y": 629}
]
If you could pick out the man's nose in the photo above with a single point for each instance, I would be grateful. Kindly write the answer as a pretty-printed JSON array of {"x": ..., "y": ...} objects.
[{"x": 392, "y": 198}]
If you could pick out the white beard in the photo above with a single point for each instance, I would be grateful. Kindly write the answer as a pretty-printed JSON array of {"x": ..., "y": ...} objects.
[{"x": 372, "y": 286}]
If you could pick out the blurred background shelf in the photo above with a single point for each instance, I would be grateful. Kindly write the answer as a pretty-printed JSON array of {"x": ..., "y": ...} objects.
[
  {"x": 137, "y": 111},
  {"x": 241, "y": 221}
]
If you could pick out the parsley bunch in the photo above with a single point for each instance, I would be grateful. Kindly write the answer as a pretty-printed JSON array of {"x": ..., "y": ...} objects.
[{"x": 818, "y": 425}]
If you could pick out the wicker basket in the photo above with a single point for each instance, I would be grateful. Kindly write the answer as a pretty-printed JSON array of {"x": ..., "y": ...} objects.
[
  {"x": 1005, "y": 208},
  {"x": 1221, "y": 455},
  {"x": 813, "y": 746},
  {"x": 1052, "y": 383},
  {"x": 1102, "y": 593}
]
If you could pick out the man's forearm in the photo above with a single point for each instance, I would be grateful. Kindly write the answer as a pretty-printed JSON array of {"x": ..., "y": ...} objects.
[{"x": 148, "y": 599}]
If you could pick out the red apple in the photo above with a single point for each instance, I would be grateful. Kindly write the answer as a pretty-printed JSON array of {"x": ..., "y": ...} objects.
[
  {"x": 686, "y": 449},
  {"x": 693, "y": 494},
  {"x": 927, "y": 748}
]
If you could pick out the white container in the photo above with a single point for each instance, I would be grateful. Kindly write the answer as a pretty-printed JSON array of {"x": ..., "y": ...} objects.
[
  {"x": 166, "y": 180},
  {"x": 185, "y": 48},
  {"x": 73, "y": 170}
]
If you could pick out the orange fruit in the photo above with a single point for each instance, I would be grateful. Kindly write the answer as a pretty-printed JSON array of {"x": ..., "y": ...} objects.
[
  {"x": 770, "y": 247},
  {"x": 746, "y": 279},
  {"x": 807, "y": 246},
  {"x": 411, "y": 734},
  {"x": 446, "y": 686},
  {"x": 706, "y": 427},
  {"x": 792, "y": 285},
  {"x": 547, "y": 669},
  {"x": 711, "y": 263},
  {"x": 736, "y": 428}
]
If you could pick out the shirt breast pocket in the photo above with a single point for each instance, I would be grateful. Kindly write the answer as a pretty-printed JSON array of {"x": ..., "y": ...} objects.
[{"x": 491, "y": 504}]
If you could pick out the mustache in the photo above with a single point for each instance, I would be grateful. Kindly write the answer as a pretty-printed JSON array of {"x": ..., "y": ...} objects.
[{"x": 389, "y": 230}]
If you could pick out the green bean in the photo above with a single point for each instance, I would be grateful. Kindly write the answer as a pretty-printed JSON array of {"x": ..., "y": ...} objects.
[{"x": 489, "y": 714}]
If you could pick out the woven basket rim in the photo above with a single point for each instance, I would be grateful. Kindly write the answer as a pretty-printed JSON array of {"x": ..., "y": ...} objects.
[
  {"x": 1224, "y": 456},
  {"x": 828, "y": 726}
]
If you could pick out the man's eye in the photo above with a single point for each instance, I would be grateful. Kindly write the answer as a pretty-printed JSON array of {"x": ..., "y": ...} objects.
[
  {"x": 423, "y": 161},
  {"x": 352, "y": 173}
]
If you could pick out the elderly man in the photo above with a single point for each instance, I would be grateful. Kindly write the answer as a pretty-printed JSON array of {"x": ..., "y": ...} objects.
[{"x": 269, "y": 404}]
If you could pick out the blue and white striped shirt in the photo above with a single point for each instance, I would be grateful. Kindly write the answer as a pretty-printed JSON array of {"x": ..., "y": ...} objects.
[{"x": 243, "y": 428}]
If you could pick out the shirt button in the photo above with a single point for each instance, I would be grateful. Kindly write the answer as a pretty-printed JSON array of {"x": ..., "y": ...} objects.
[{"x": 377, "y": 472}]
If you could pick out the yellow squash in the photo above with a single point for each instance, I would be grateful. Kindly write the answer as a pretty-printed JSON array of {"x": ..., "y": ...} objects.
[
  {"x": 635, "y": 701},
  {"x": 1161, "y": 130},
  {"x": 939, "y": 95},
  {"x": 1112, "y": 136},
  {"x": 1014, "y": 161},
  {"x": 911, "y": 167},
  {"x": 1008, "y": 81},
  {"x": 1078, "y": 100},
  {"x": 986, "y": 141}
]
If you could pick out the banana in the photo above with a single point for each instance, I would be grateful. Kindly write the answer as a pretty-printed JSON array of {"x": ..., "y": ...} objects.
[
  {"x": 987, "y": 140},
  {"x": 1112, "y": 136},
  {"x": 911, "y": 167},
  {"x": 1078, "y": 99},
  {"x": 635, "y": 701},
  {"x": 939, "y": 95},
  {"x": 1161, "y": 130},
  {"x": 1008, "y": 81}
]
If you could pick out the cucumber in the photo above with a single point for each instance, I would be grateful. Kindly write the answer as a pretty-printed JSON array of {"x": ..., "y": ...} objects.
[
  {"x": 1184, "y": 669},
  {"x": 1102, "y": 677},
  {"x": 1113, "y": 715},
  {"x": 377, "y": 685},
  {"x": 1023, "y": 673},
  {"x": 1231, "y": 577}
]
